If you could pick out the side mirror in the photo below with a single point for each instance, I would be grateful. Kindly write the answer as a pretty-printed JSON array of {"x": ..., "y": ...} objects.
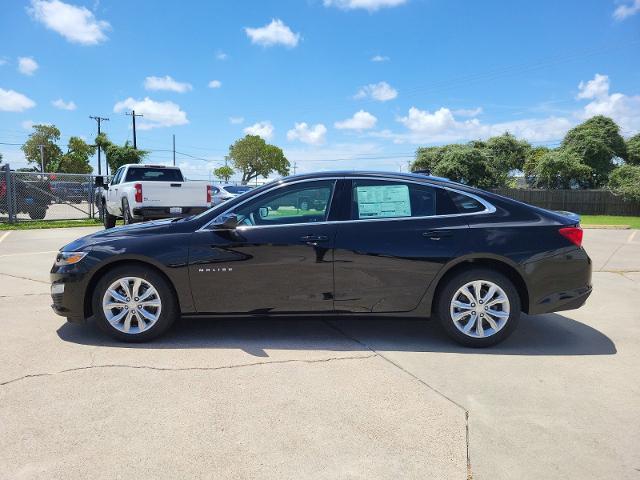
[
  {"x": 99, "y": 182},
  {"x": 230, "y": 222},
  {"x": 263, "y": 212}
]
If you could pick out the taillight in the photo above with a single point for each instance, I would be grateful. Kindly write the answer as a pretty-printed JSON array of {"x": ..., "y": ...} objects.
[
  {"x": 208, "y": 193},
  {"x": 138, "y": 197},
  {"x": 573, "y": 234}
]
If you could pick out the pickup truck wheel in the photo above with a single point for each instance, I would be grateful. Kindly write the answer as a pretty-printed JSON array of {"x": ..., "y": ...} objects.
[
  {"x": 109, "y": 220},
  {"x": 134, "y": 304},
  {"x": 37, "y": 213},
  {"x": 126, "y": 212}
]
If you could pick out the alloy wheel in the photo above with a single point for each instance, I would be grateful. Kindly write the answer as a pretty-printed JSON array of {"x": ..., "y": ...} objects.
[
  {"x": 131, "y": 305},
  {"x": 479, "y": 309}
]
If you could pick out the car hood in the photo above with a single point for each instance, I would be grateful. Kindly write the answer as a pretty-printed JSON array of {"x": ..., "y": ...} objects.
[{"x": 126, "y": 231}]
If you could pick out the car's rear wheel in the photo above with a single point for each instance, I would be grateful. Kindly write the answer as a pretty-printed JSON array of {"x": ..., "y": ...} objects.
[
  {"x": 134, "y": 304},
  {"x": 478, "y": 307}
]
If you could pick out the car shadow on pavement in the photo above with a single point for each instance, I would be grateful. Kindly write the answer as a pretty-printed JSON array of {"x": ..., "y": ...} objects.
[{"x": 550, "y": 334}]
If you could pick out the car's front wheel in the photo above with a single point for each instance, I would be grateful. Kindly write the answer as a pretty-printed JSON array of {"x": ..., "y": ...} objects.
[
  {"x": 478, "y": 307},
  {"x": 134, "y": 304}
]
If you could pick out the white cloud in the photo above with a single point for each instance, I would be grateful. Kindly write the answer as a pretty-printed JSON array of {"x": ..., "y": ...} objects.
[
  {"x": 166, "y": 83},
  {"x": 27, "y": 124},
  {"x": 3, "y": 61},
  {"x": 27, "y": 65},
  {"x": 381, "y": 92},
  {"x": 263, "y": 129},
  {"x": 236, "y": 120},
  {"x": 76, "y": 24},
  {"x": 380, "y": 58},
  {"x": 62, "y": 105},
  {"x": 314, "y": 135},
  {"x": 12, "y": 101},
  {"x": 442, "y": 126},
  {"x": 627, "y": 10},
  {"x": 275, "y": 33},
  {"x": 361, "y": 120},
  {"x": 623, "y": 109},
  {"x": 215, "y": 84},
  {"x": 370, "y": 5},
  {"x": 468, "y": 112},
  {"x": 156, "y": 114},
  {"x": 221, "y": 55},
  {"x": 596, "y": 88}
]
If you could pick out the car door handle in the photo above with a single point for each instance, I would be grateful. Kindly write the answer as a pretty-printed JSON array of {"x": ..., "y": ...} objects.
[
  {"x": 437, "y": 234},
  {"x": 314, "y": 238}
]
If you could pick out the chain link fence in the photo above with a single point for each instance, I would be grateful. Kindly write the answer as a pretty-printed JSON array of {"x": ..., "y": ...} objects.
[{"x": 26, "y": 196}]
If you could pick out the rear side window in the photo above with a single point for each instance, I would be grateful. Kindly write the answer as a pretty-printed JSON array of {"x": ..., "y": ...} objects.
[
  {"x": 154, "y": 175},
  {"x": 466, "y": 204},
  {"x": 388, "y": 199}
]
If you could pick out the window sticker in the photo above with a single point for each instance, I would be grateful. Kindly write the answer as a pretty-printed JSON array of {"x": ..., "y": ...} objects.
[{"x": 381, "y": 201}]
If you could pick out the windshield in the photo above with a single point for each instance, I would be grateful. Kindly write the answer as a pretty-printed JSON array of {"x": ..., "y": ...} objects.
[
  {"x": 146, "y": 174},
  {"x": 237, "y": 189}
]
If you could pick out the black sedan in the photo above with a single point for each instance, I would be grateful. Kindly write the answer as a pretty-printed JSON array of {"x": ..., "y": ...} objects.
[{"x": 370, "y": 243}]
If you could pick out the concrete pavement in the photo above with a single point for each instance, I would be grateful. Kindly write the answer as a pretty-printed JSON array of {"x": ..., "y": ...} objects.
[{"x": 312, "y": 398}]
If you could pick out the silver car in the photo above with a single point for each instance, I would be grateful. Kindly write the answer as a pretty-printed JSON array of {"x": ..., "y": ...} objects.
[{"x": 222, "y": 193}]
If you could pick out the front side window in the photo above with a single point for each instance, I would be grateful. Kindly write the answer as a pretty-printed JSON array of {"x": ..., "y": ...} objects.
[
  {"x": 306, "y": 202},
  {"x": 116, "y": 177}
]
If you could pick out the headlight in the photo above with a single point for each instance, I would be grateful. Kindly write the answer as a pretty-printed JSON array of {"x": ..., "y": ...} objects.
[{"x": 69, "y": 258}]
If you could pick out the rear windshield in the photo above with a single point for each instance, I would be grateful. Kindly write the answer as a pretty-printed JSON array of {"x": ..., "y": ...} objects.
[
  {"x": 147, "y": 174},
  {"x": 237, "y": 190}
]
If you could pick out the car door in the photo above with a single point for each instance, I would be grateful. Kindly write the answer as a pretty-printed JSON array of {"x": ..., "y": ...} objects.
[
  {"x": 393, "y": 245},
  {"x": 273, "y": 261},
  {"x": 112, "y": 193}
]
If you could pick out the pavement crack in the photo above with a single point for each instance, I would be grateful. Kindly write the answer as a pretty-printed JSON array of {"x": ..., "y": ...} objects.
[
  {"x": 415, "y": 377},
  {"x": 24, "y": 278},
  {"x": 181, "y": 369}
]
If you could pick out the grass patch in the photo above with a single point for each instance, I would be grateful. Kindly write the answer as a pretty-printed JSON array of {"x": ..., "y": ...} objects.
[
  {"x": 633, "y": 222},
  {"x": 40, "y": 224}
]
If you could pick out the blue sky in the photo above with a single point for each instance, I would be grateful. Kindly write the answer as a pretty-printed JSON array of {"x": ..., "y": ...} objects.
[{"x": 336, "y": 83}]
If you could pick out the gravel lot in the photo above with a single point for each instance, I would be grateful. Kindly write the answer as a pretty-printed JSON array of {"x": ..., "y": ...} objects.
[{"x": 310, "y": 398}]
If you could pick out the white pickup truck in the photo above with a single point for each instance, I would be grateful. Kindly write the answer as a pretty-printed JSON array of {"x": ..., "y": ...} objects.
[{"x": 145, "y": 192}]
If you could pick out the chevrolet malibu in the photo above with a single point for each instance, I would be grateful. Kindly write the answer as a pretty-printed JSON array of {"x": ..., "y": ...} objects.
[{"x": 371, "y": 243}]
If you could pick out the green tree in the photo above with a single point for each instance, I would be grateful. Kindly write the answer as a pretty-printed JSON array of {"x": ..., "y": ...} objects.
[
  {"x": 597, "y": 142},
  {"x": 119, "y": 155},
  {"x": 633, "y": 149},
  {"x": 533, "y": 158},
  {"x": 468, "y": 165},
  {"x": 253, "y": 157},
  {"x": 48, "y": 136},
  {"x": 625, "y": 181},
  {"x": 224, "y": 173},
  {"x": 505, "y": 152},
  {"x": 76, "y": 159},
  {"x": 428, "y": 157},
  {"x": 559, "y": 169}
]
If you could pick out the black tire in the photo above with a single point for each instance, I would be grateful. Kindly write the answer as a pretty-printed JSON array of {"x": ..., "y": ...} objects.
[
  {"x": 168, "y": 313},
  {"x": 38, "y": 213},
  {"x": 127, "y": 219},
  {"x": 446, "y": 296},
  {"x": 108, "y": 219},
  {"x": 100, "y": 207}
]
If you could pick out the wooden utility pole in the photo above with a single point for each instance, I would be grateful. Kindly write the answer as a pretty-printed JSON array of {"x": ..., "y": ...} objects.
[
  {"x": 99, "y": 120},
  {"x": 133, "y": 115},
  {"x": 174, "y": 150}
]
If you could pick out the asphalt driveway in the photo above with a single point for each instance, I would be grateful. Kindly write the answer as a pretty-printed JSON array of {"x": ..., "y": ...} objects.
[{"x": 311, "y": 398}]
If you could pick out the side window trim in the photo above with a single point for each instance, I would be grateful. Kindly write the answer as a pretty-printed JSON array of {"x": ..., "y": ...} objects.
[{"x": 489, "y": 208}]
